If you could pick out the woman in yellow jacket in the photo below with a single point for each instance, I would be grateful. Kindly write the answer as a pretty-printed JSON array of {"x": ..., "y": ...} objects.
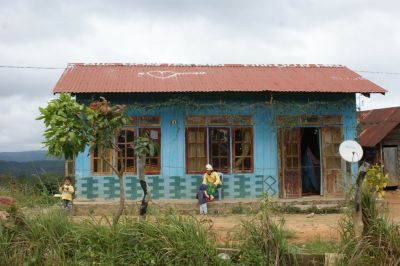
[{"x": 212, "y": 180}]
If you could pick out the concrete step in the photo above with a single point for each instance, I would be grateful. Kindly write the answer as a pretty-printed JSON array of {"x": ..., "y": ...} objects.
[{"x": 226, "y": 206}]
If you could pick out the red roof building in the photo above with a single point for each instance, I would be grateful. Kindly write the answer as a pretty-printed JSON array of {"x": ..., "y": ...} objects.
[
  {"x": 128, "y": 78},
  {"x": 380, "y": 132},
  {"x": 259, "y": 125}
]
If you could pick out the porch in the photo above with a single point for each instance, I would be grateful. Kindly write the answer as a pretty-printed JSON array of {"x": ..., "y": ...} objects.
[{"x": 220, "y": 207}]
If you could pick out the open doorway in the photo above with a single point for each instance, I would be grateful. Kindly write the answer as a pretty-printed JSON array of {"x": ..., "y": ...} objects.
[{"x": 310, "y": 161}]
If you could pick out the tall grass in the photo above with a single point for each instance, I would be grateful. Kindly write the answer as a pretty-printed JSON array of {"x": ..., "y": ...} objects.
[
  {"x": 54, "y": 239},
  {"x": 380, "y": 243},
  {"x": 31, "y": 191},
  {"x": 262, "y": 241}
]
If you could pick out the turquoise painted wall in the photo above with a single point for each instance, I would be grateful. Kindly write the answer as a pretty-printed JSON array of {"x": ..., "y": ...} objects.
[{"x": 173, "y": 182}]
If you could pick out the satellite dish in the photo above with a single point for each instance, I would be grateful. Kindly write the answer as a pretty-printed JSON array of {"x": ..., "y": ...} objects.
[{"x": 350, "y": 151}]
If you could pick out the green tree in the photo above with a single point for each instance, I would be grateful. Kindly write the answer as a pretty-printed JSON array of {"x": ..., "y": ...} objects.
[{"x": 71, "y": 126}]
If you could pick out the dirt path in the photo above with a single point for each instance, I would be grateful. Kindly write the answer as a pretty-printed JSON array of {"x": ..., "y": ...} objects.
[
  {"x": 323, "y": 226},
  {"x": 304, "y": 229}
]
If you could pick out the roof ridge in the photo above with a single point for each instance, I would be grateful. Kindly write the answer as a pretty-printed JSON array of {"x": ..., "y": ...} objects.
[{"x": 71, "y": 65}]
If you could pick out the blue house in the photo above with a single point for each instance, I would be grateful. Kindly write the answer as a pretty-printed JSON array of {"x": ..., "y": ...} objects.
[{"x": 272, "y": 129}]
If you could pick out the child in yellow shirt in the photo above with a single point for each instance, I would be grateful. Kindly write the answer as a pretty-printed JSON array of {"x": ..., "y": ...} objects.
[{"x": 66, "y": 191}]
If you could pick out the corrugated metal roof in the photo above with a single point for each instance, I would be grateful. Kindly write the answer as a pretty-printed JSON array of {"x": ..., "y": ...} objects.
[
  {"x": 88, "y": 78},
  {"x": 376, "y": 124}
]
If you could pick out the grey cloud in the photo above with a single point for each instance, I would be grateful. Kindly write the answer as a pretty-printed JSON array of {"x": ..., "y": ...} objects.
[{"x": 362, "y": 34}]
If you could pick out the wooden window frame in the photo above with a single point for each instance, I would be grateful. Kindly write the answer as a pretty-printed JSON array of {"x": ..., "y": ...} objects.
[
  {"x": 196, "y": 120},
  {"x": 92, "y": 159},
  {"x": 157, "y": 171},
  {"x": 125, "y": 157},
  {"x": 219, "y": 157},
  {"x": 187, "y": 148},
  {"x": 251, "y": 155},
  {"x": 143, "y": 124},
  {"x": 230, "y": 120},
  {"x": 226, "y": 121}
]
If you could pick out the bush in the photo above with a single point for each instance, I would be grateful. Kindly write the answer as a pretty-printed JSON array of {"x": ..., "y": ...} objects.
[
  {"x": 33, "y": 190},
  {"x": 54, "y": 239},
  {"x": 380, "y": 243},
  {"x": 375, "y": 180},
  {"x": 262, "y": 241}
]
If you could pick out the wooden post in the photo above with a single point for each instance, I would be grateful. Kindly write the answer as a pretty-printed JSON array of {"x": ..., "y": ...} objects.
[{"x": 358, "y": 226}]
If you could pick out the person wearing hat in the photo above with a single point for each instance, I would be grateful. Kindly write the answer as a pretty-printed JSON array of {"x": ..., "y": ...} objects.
[{"x": 212, "y": 180}]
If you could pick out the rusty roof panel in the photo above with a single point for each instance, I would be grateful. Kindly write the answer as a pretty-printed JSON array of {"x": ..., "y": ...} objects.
[
  {"x": 376, "y": 124},
  {"x": 89, "y": 78}
]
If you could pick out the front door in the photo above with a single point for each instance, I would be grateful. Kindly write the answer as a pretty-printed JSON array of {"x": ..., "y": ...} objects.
[
  {"x": 332, "y": 163},
  {"x": 289, "y": 150},
  {"x": 390, "y": 158}
]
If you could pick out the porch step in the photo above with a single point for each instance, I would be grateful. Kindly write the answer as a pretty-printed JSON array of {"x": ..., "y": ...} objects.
[{"x": 226, "y": 206}]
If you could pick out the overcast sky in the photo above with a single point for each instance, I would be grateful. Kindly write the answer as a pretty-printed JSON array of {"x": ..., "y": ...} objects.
[{"x": 361, "y": 34}]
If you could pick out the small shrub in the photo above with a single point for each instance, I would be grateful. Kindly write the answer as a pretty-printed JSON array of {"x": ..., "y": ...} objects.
[
  {"x": 262, "y": 241},
  {"x": 380, "y": 243},
  {"x": 376, "y": 181}
]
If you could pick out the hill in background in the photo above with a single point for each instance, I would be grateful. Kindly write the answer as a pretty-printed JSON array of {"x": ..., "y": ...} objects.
[
  {"x": 26, "y": 163},
  {"x": 25, "y": 156}
]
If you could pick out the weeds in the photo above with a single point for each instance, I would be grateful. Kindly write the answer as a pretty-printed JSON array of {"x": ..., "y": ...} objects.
[
  {"x": 262, "y": 241},
  {"x": 380, "y": 243},
  {"x": 32, "y": 191},
  {"x": 55, "y": 239},
  {"x": 320, "y": 246}
]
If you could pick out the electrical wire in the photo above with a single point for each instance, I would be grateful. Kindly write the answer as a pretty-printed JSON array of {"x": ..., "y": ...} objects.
[{"x": 51, "y": 67}]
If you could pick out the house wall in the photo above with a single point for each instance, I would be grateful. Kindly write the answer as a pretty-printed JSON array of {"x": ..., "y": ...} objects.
[
  {"x": 393, "y": 139},
  {"x": 173, "y": 182}
]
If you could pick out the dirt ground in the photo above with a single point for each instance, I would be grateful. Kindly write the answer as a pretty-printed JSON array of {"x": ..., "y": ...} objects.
[
  {"x": 324, "y": 226},
  {"x": 303, "y": 228}
]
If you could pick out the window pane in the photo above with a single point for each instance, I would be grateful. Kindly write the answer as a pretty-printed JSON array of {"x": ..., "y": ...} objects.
[
  {"x": 153, "y": 161},
  {"x": 247, "y": 135},
  {"x": 195, "y": 155},
  {"x": 119, "y": 165},
  {"x": 247, "y": 163},
  {"x": 130, "y": 152},
  {"x": 191, "y": 136},
  {"x": 130, "y": 165},
  {"x": 130, "y": 136},
  {"x": 338, "y": 163},
  {"x": 215, "y": 163},
  {"x": 98, "y": 165},
  {"x": 246, "y": 149},
  {"x": 288, "y": 162},
  {"x": 127, "y": 152},
  {"x": 105, "y": 167},
  {"x": 200, "y": 150},
  {"x": 238, "y": 149},
  {"x": 95, "y": 166},
  {"x": 191, "y": 164},
  {"x": 214, "y": 149},
  {"x": 121, "y": 136},
  {"x": 224, "y": 164},
  {"x": 224, "y": 148},
  {"x": 200, "y": 136},
  {"x": 192, "y": 150},
  {"x": 238, "y": 135},
  {"x": 243, "y": 144}
]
